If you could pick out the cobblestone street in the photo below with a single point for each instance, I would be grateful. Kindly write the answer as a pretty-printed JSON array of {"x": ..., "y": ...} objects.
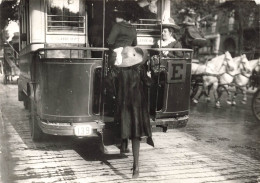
[{"x": 178, "y": 157}]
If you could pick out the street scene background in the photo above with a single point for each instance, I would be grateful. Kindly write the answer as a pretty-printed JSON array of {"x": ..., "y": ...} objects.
[{"x": 218, "y": 144}]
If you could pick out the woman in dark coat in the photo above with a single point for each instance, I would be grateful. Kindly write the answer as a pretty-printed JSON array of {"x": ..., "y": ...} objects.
[
  {"x": 122, "y": 34},
  {"x": 132, "y": 105}
]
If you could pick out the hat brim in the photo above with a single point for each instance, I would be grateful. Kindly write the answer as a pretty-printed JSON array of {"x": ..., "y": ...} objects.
[
  {"x": 130, "y": 63},
  {"x": 171, "y": 26}
]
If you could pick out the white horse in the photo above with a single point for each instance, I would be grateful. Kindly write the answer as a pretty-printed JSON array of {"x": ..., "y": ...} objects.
[
  {"x": 242, "y": 79},
  {"x": 214, "y": 72}
]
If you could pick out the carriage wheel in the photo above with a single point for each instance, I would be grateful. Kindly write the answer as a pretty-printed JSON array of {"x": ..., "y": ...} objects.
[
  {"x": 256, "y": 104},
  {"x": 36, "y": 132}
]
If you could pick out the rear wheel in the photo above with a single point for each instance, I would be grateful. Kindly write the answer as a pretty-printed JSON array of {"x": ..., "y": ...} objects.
[
  {"x": 23, "y": 97},
  {"x": 5, "y": 80},
  {"x": 36, "y": 132},
  {"x": 26, "y": 102},
  {"x": 256, "y": 105}
]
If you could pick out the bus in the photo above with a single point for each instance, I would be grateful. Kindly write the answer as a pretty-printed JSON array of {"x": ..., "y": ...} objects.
[{"x": 64, "y": 60}]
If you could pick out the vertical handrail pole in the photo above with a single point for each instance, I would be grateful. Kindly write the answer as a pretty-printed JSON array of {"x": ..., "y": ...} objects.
[
  {"x": 104, "y": 61},
  {"x": 160, "y": 56}
]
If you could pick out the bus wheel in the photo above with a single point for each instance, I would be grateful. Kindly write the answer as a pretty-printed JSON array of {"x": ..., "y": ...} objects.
[
  {"x": 26, "y": 102},
  {"x": 5, "y": 80},
  {"x": 36, "y": 132}
]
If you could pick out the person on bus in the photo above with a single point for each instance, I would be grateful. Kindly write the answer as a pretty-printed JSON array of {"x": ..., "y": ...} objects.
[
  {"x": 132, "y": 102},
  {"x": 122, "y": 34},
  {"x": 168, "y": 39},
  {"x": 193, "y": 38},
  {"x": 158, "y": 66}
]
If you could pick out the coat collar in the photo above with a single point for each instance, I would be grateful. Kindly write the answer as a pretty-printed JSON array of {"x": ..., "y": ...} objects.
[{"x": 166, "y": 42}]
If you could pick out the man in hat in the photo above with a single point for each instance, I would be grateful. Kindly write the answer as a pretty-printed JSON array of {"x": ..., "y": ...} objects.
[{"x": 192, "y": 37}]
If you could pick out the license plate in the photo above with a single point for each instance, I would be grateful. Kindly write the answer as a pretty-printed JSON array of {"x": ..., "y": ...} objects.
[{"x": 83, "y": 130}]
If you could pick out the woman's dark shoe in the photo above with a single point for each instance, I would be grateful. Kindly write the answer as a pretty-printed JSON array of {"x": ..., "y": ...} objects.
[
  {"x": 124, "y": 150},
  {"x": 124, "y": 146},
  {"x": 135, "y": 172},
  {"x": 150, "y": 141}
]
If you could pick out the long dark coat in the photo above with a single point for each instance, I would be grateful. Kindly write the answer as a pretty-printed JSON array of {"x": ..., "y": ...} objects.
[{"x": 132, "y": 106}]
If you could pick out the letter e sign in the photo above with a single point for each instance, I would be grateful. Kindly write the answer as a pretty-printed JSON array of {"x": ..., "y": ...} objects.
[{"x": 176, "y": 71}]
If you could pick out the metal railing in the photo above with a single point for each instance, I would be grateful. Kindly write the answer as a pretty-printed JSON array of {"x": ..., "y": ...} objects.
[
  {"x": 148, "y": 26},
  {"x": 58, "y": 23}
]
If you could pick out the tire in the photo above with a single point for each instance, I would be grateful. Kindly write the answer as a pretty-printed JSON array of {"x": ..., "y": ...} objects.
[
  {"x": 26, "y": 102},
  {"x": 256, "y": 105},
  {"x": 36, "y": 132},
  {"x": 5, "y": 80}
]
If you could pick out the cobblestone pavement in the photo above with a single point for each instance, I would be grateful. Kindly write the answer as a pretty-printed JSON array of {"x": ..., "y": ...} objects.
[{"x": 177, "y": 157}]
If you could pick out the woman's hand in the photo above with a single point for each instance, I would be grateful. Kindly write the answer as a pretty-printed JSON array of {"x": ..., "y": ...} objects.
[
  {"x": 165, "y": 53},
  {"x": 149, "y": 74}
]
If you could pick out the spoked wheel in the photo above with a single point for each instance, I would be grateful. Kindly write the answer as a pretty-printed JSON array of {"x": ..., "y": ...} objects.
[
  {"x": 36, "y": 132},
  {"x": 256, "y": 104}
]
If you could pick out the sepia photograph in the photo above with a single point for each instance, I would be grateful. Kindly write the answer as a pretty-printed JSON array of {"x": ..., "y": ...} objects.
[{"x": 140, "y": 91}]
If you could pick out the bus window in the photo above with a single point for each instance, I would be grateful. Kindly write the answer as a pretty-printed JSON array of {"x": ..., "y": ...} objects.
[
  {"x": 66, "y": 16},
  {"x": 24, "y": 25}
]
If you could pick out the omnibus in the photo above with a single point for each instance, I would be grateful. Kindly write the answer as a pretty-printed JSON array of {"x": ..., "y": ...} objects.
[{"x": 63, "y": 63}]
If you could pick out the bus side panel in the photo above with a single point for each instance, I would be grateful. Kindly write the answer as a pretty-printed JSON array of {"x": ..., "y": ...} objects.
[
  {"x": 176, "y": 100},
  {"x": 67, "y": 87},
  {"x": 25, "y": 73},
  {"x": 179, "y": 92}
]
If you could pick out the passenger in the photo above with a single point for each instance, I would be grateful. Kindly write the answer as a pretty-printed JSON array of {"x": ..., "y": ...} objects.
[
  {"x": 158, "y": 66},
  {"x": 168, "y": 39},
  {"x": 132, "y": 102},
  {"x": 122, "y": 34},
  {"x": 193, "y": 38}
]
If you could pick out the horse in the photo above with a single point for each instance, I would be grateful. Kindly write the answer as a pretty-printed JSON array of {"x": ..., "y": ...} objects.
[
  {"x": 215, "y": 72},
  {"x": 241, "y": 80}
]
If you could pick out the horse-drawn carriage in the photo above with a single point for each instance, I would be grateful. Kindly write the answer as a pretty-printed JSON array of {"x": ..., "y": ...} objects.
[{"x": 232, "y": 77}]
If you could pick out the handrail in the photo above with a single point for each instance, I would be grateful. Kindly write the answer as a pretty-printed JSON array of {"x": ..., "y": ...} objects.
[
  {"x": 170, "y": 49},
  {"x": 64, "y": 16},
  {"x": 106, "y": 49},
  {"x": 12, "y": 48},
  {"x": 74, "y": 48},
  {"x": 68, "y": 51},
  {"x": 152, "y": 20}
]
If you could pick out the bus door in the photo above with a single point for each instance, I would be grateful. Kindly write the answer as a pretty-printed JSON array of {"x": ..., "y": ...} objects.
[{"x": 169, "y": 97}]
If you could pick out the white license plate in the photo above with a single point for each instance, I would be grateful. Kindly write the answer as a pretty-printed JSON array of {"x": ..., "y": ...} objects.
[{"x": 83, "y": 130}]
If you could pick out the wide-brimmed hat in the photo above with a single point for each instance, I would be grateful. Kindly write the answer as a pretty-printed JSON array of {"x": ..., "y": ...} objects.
[
  {"x": 130, "y": 56},
  {"x": 169, "y": 22}
]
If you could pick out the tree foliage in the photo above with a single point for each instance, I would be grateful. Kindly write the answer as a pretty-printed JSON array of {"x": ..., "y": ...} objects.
[
  {"x": 204, "y": 9},
  {"x": 8, "y": 12}
]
